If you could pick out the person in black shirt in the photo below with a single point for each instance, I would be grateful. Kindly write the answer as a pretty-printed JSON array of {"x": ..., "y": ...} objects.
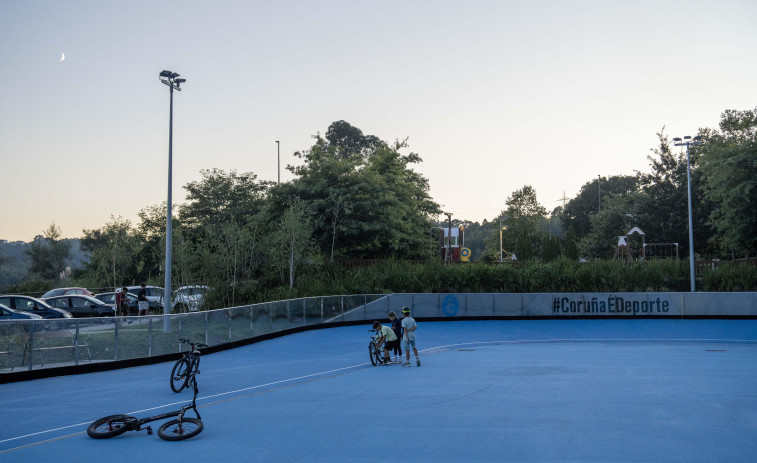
[
  {"x": 144, "y": 304},
  {"x": 397, "y": 328}
]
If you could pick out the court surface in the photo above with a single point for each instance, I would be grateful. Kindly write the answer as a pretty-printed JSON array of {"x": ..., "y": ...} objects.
[{"x": 499, "y": 391}]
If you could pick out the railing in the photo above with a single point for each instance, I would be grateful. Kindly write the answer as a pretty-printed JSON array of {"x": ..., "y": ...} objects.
[{"x": 36, "y": 344}]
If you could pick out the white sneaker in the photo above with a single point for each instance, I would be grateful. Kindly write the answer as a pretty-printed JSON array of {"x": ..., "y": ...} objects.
[{"x": 406, "y": 364}]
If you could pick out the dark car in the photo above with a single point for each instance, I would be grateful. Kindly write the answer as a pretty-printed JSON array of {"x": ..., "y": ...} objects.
[
  {"x": 82, "y": 306},
  {"x": 110, "y": 299},
  {"x": 32, "y": 305},
  {"x": 66, "y": 291},
  {"x": 6, "y": 313}
]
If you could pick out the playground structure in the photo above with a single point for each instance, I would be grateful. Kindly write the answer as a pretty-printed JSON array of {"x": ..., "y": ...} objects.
[
  {"x": 451, "y": 244},
  {"x": 631, "y": 249}
]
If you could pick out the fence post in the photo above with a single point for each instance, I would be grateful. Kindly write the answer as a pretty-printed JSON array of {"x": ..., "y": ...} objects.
[
  {"x": 207, "y": 339},
  {"x": 321, "y": 309},
  {"x": 304, "y": 312},
  {"x": 115, "y": 331},
  {"x": 31, "y": 345},
  {"x": 149, "y": 342},
  {"x": 76, "y": 344},
  {"x": 228, "y": 314}
]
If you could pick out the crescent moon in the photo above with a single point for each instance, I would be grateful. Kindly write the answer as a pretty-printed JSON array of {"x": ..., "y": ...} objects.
[{"x": 62, "y": 56}]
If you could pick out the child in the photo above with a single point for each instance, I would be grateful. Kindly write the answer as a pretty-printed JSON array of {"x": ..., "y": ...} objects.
[
  {"x": 397, "y": 328},
  {"x": 384, "y": 334},
  {"x": 408, "y": 327}
]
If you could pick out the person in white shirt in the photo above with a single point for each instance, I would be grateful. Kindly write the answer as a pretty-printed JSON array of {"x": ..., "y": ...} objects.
[{"x": 408, "y": 335}]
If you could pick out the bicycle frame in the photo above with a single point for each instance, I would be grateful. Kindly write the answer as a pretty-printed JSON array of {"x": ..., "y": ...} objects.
[{"x": 136, "y": 424}]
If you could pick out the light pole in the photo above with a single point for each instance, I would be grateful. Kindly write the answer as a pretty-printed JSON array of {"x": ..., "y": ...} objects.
[
  {"x": 172, "y": 80},
  {"x": 501, "y": 219},
  {"x": 278, "y": 162},
  {"x": 599, "y": 195},
  {"x": 687, "y": 142}
]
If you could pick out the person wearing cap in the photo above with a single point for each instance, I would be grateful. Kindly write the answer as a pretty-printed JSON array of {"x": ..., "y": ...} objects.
[
  {"x": 385, "y": 334},
  {"x": 408, "y": 335}
]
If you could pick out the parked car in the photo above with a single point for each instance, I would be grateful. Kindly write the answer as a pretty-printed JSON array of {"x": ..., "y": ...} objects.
[
  {"x": 32, "y": 305},
  {"x": 65, "y": 291},
  {"x": 189, "y": 298},
  {"x": 6, "y": 313},
  {"x": 110, "y": 299},
  {"x": 82, "y": 306},
  {"x": 154, "y": 296}
]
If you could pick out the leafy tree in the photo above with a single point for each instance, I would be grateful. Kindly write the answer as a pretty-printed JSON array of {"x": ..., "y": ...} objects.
[
  {"x": 292, "y": 241},
  {"x": 366, "y": 200},
  {"x": 729, "y": 166},
  {"x": 578, "y": 211},
  {"x": 113, "y": 252},
  {"x": 571, "y": 244},
  {"x": 525, "y": 214},
  {"x": 662, "y": 207},
  {"x": 48, "y": 253},
  {"x": 222, "y": 197}
]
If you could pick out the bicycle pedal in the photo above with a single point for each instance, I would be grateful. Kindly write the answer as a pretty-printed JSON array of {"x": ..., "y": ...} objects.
[{"x": 149, "y": 430}]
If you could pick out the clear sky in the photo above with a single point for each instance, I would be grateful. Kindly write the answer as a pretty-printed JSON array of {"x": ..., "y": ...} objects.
[{"x": 493, "y": 95}]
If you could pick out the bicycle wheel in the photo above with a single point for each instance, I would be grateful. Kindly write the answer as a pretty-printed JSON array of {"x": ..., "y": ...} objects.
[
  {"x": 108, "y": 426},
  {"x": 374, "y": 353},
  {"x": 179, "y": 375},
  {"x": 180, "y": 430}
]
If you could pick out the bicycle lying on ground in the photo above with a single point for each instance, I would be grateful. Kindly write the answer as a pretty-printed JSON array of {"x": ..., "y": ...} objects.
[
  {"x": 187, "y": 366},
  {"x": 181, "y": 428}
]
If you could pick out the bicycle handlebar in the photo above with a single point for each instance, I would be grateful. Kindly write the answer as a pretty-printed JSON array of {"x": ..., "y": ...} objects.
[{"x": 198, "y": 345}]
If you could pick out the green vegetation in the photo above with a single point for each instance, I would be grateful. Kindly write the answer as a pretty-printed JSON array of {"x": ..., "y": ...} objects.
[{"x": 356, "y": 197}]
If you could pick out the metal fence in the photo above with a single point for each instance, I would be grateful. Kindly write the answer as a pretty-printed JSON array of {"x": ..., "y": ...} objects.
[{"x": 36, "y": 344}]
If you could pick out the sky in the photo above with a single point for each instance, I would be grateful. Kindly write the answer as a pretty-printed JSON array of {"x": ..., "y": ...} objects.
[{"x": 493, "y": 95}]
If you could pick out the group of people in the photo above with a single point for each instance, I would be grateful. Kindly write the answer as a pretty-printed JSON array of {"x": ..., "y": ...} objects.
[
  {"x": 389, "y": 337},
  {"x": 122, "y": 302}
]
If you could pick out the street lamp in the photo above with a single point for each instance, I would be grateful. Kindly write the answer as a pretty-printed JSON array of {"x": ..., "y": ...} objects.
[
  {"x": 501, "y": 227},
  {"x": 174, "y": 82},
  {"x": 687, "y": 142},
  {"x": 278, "y": 162}
]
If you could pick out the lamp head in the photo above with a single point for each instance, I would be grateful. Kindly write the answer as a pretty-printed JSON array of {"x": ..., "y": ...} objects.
[{"x": 677, "y": 139}]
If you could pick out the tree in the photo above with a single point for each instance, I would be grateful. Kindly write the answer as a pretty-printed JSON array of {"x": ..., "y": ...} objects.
[
  {"x": 525, "y": 215},
  {"x": 662, "y": 207},
  {"x": 729, "y": 166},
  {"x": 578, "y": 211},
  {"x": 113, "y": 250},
  {"x": 292, "y": 239},
  {"x": 366, "y": 200},
  {"x": 222, "y": 197},
  {"x": 48, "y": 253}
]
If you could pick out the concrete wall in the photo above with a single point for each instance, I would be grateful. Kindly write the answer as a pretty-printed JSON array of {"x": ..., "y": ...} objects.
[{"x": 564, "y": 305}]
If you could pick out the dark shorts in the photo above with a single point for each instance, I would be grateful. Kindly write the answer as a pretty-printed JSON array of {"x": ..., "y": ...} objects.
[{"x": 391, "y": 345}]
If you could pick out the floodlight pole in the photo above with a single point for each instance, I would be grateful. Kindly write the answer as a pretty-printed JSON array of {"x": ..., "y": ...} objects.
[
  {"x": 278, "y": 162},
  {"x": 687, "y": 142},
  {"x": 171, "y": 79}
]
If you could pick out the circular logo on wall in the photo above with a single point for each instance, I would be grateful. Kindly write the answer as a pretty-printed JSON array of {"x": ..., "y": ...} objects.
[
  {"x": 450, "y": 306},
  {"x": 464, "y": 254}
]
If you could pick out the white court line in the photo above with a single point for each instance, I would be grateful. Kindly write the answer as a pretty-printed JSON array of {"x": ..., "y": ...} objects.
[{"x": 429, "y": 349}]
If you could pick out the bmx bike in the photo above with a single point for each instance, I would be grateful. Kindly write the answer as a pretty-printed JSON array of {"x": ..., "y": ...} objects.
[
  {"x": 374, "y": 350},
  {"x": 185, "y": 369},
  {"x": 181, "y": 428}
]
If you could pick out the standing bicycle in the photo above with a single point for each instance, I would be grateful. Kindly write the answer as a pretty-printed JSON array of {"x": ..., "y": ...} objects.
[
  {"x": 181, "y": 428},
  {"x": 185, "y": 369}
]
